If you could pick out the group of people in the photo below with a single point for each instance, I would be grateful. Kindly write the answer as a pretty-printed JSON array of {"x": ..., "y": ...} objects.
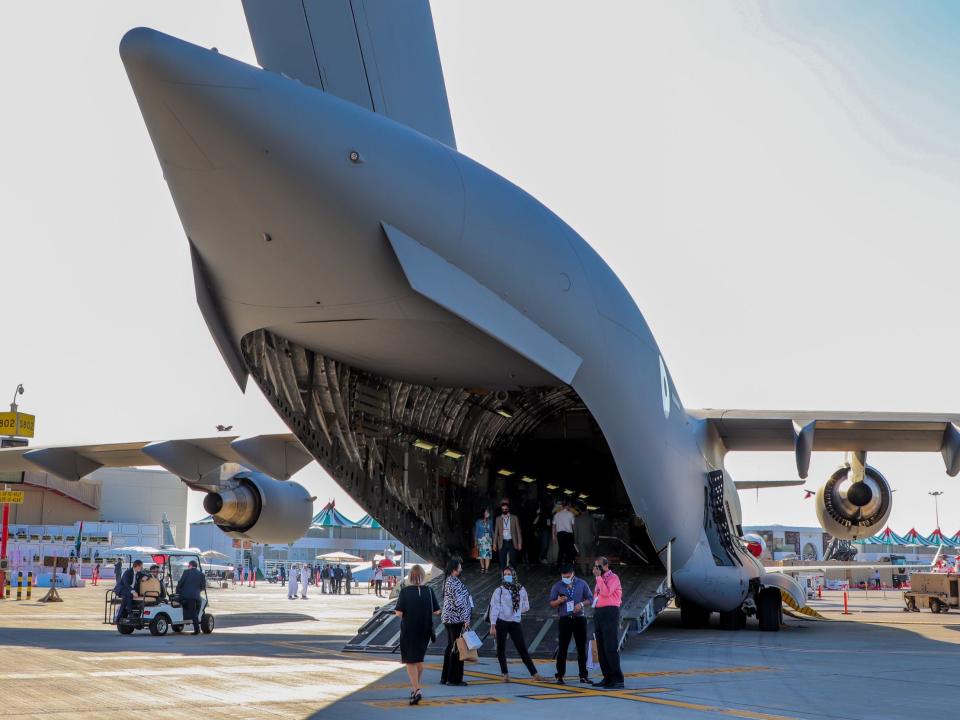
[
  {"x": 332, "y": 580},
  {"x": 135, "y": 584},
  {"x": 569, "y": 598},
  {"x": 567, "y": 525}
]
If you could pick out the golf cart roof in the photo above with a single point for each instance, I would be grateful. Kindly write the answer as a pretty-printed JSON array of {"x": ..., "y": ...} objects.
[{"x": 147, "y": 550}]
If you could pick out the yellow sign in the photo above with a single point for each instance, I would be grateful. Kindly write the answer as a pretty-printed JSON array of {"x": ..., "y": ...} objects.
[
  {"x": 16, "y": 424},
  {"x": 11, "y": 496}
]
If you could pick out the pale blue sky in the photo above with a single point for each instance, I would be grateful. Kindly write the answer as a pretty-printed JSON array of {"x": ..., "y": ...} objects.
[{"x": 776, "y": 184}]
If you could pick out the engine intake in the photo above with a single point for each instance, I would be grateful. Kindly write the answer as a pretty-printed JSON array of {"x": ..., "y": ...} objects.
[
  {"x": 854, "y": 510},
  {"x": 257, "y": 507}
]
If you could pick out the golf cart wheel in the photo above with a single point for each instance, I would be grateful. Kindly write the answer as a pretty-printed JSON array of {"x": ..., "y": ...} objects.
[
  {"x": 125, "y": 629},
  {"x": 159, "y": 625},
  {"x": 178, "y": 627},
  {"x": 206, "y": 623}
]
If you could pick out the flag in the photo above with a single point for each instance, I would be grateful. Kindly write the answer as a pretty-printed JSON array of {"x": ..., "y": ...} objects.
[{"x": 76, "y": 545}]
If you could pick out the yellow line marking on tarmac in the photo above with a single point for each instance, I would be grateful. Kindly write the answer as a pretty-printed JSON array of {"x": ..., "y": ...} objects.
[
  {"x": 593, "y": 693},
  {"x": 699, "y": 671},
  {"x": 437, "y": 702}
]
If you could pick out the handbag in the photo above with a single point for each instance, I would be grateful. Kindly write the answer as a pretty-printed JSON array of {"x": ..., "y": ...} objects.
[
  {"x": 473, "y": 640},
  {"x": 475, "y": 552},
  {"x": 465, "y": 652}
]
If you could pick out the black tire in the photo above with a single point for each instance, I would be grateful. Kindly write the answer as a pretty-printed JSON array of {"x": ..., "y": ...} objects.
[
  {"x": 769, "y": 609},
  {"x": 693, "y": 616},
  {"x": 178, "y": 627},
  {"x": 733, "y": 620},
  {"x": 159, "y": 625},
  {"x": 125, "y": 629},
  {"x": 207, "y": 623},
  {"x": 935, "y": 606}
]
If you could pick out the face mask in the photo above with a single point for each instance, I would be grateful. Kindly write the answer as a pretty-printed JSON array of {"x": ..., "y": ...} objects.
[
  {"x": 508, "y": 579},
  {"x": 567, "y": 580}
]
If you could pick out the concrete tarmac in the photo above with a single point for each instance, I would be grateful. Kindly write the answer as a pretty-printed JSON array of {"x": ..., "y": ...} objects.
[{"x": 271, "y": 657}]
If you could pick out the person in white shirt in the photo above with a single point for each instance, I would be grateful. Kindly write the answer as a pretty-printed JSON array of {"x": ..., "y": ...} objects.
[
  {"x": 292, "y": 583},
  {"x": 304, "y": 580},
  {"x": 507, "y": 605},
  {"x": 563, "y": 523}
]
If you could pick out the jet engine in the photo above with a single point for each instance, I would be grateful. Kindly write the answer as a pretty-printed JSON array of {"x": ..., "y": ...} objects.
[
  {"x": 252, "y": 506},
  {"x": 853, "y": 510}
]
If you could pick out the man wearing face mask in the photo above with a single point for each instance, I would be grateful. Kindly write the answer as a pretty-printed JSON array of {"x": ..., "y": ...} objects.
[
  {"x": 507, "y": 541},
  {"x": 571, "y": 596}
]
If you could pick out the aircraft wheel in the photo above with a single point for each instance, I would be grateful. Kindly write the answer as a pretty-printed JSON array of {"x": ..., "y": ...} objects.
[
  {"x": 206, "y": 623},
  {"x": 733, "y": 620},
  {"x": 178, "y": 627},
  {"x": 769, "y": 605},
  {"x": 125, "y": 629},
  {"x": 693, "y": 616},
  {"x": 159, "y": 625}
]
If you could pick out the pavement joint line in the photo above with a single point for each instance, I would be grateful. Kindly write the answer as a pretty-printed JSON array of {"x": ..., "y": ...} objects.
[{"x": 437, "y": 702}]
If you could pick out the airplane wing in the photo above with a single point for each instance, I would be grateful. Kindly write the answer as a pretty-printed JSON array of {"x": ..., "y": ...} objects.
[
  {"x": 279, "y": 456},
  {"x": 762, "y": 484},
  {"x": 790, "y": 569},
  {"x": 804, "y": 431},
  {"x": 379, "y": 54}
]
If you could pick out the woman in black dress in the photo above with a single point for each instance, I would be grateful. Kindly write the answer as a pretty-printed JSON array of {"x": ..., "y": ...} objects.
[{"x": 416, "y": 606}]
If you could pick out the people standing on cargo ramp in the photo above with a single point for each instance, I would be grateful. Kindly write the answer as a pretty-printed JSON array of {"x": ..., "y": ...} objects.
[
  {"x": 507, "y": 605},
  {"x": 483, "y": 538},
  {"x": 607, "y": 597},
  {"x": 292, "y": 583},
  {"x": 563, "y": 526},
  {"x": 570, "y": 596},
  {"x": 416, "y": 606},
  {"x": 507, "y": 541},
  {"x": 192, "y": 583},
  {"x": 585, "y": 538},
  {"x": 455, "y": 616}
]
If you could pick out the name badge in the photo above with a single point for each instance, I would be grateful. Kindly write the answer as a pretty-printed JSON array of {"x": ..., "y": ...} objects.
[{"x": 570, "y": 605}]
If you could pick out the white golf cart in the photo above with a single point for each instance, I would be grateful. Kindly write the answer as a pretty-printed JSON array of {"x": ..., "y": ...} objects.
[{"x": 157, "y": 606}]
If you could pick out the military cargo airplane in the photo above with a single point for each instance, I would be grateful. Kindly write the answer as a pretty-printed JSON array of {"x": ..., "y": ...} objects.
[{"x": 434, "y": 336}]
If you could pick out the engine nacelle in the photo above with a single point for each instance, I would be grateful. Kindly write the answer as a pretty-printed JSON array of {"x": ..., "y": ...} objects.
[
  {"x": 854, "y": 510},
  {"x": 254, "y": 506}
]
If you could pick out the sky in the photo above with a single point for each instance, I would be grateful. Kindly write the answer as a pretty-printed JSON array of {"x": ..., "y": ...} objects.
[{"x": 776, "y": 183}]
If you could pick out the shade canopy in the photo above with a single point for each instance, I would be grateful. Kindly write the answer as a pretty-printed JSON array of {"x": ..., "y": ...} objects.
[{"x": 339, "y": 557}]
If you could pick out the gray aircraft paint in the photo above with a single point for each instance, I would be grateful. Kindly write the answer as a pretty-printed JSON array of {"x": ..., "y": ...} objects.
[{"x": 255, "y": 161}]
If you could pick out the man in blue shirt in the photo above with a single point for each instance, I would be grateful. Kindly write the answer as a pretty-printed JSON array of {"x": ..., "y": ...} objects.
[{"x": 570, "y": 596}]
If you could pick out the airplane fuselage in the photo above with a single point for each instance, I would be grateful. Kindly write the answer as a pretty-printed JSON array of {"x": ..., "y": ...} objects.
[{"x": 310, "y": 219}]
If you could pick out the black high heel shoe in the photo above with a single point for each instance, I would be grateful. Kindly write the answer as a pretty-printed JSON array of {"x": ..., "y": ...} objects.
[{"x": 416, "y": 698}]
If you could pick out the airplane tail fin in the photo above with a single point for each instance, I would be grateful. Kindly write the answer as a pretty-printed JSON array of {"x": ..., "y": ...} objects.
[
  {"x": 379, "y": 54},
  {"x": 167, "y": 536}
]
